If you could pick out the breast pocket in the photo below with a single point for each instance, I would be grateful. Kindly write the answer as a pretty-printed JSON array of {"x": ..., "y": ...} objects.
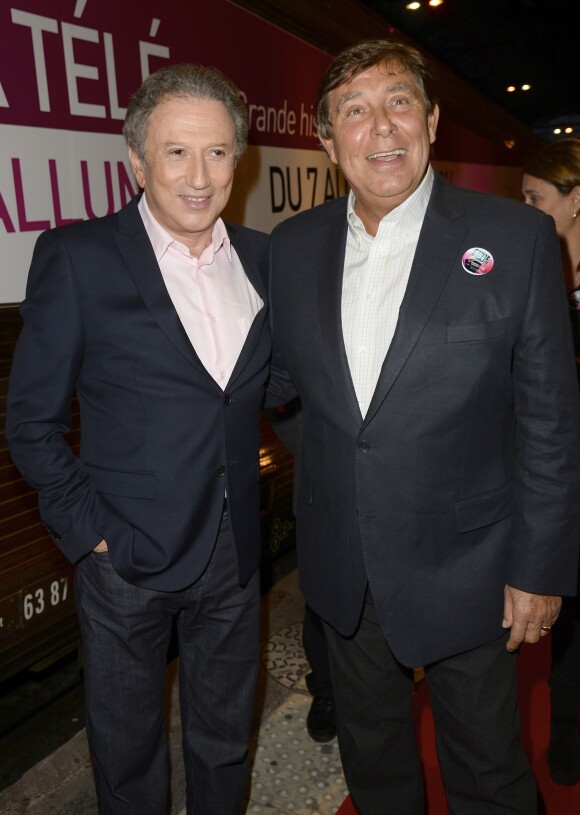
[{"x": 477, "y": 332}]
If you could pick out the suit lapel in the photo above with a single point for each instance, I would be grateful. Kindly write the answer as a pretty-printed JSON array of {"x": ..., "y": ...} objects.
[
  {"x": 137, "y": 252},
  {"x": 242, "y": 242},
  {"x": 437, "y": 250},
  {"x": 242, "y": 245},
  {"x": 330, "y": 263}
]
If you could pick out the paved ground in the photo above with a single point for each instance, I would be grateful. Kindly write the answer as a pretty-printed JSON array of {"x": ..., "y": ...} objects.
[
  {"x": 39, "y": 712},
  {"x": 290, "y": 774}
]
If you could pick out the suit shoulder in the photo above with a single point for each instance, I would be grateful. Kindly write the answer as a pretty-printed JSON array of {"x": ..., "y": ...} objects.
[
  {"x": 86, "y": 231},
  {"x": 249, "y": 243},
  {"x": 253, "y": 236},
  {"x": 501, "y": 208},
  {"x": 312, "y": 219}
]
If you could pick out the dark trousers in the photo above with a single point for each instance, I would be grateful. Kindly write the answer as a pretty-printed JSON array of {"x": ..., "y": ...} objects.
[
  {"x": 473, "y": 697},
  {"x": 565, "y": 676},
  {"x": 318, "y": 680},
  {"x": 126, "y": 632}
]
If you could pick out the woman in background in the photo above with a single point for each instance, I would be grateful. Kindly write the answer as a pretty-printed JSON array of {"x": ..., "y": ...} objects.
[{"x": 552, "y": 183}]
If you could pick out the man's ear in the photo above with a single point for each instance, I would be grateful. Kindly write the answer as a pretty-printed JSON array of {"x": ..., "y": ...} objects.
[
  {"x": 328, "y": 145},
  {"x": 137, "y": 166},
  {"x": 432, "y": 121}
]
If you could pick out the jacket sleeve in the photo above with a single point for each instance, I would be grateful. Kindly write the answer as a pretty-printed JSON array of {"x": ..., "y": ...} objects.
[
  {"x": 47, "y": 363},
  {"x": 547, "y": 413},
  {"x": 280, "y": 389}
]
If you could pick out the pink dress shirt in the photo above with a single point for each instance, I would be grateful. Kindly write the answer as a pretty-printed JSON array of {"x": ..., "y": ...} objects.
[{"x": 214, "y": 299}]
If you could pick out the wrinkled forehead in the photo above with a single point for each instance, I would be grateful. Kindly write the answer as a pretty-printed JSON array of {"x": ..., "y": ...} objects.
[
  {"x": 387, "y": 67},
  {"x": 390, "y": 76}
]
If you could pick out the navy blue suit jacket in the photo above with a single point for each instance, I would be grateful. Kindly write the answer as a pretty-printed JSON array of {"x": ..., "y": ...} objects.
[
  {"x": 464, "y": 474},
  {"x": 160, "y": 440}
]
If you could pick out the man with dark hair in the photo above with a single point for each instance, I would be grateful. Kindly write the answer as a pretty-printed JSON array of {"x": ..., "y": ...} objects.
[
  {"x": 156, "y": 317},
  {"x": 424, "y": 329}
]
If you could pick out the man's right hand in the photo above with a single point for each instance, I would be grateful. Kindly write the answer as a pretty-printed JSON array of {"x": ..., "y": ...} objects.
[{"x": 101, "y": 547}]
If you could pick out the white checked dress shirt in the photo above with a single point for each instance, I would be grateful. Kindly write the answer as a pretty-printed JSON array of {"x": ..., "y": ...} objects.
[
  {"x": 212, "y": 295},
  {"x": 376, "y": 273}
]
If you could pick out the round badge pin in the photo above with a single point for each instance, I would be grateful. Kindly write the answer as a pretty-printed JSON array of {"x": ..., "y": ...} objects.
[
  {"x": 574, "y": 300},
  {"x": 477, "y": 261}
]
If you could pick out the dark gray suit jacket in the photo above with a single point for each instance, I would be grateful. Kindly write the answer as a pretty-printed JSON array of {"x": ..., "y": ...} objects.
[
  {"x": 160, "y": 440},
  {"x": 464, "y": 474}
]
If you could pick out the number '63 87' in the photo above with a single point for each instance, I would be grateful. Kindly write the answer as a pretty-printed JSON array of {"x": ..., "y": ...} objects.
[{"x": 43, "y": 598}]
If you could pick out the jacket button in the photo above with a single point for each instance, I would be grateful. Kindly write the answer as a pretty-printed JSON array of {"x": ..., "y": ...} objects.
[
  {"x": 52, "y": 532},
  {"x": 364, "y": 446},
  {"x": 227, "y": 400},
  {"x": 220, "y": 471}
]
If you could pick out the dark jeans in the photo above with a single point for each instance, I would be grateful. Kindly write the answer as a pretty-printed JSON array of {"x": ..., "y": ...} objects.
[
  {"x": 126, "y": 631},
  {"x": 473, "y": 697}
]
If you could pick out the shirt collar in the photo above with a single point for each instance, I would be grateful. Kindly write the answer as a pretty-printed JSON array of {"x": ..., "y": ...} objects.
[
  {"x": 412, "y": 209},
  {"x": 161, "y": 240}
]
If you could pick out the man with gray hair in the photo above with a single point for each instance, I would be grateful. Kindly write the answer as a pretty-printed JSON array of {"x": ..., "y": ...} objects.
[{"x": 156, "y": 317}]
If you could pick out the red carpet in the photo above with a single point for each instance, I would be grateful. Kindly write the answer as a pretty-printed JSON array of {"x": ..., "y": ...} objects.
[{"x": 534, "y": 698}]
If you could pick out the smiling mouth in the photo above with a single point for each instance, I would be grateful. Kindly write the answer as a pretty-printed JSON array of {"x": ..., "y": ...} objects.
[
  {"x": 386, "y": 155},
  {"x": 195, "y": 200}
]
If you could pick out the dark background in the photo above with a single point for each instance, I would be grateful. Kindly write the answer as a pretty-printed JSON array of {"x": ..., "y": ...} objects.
[{"x": 495, "y": 43}]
